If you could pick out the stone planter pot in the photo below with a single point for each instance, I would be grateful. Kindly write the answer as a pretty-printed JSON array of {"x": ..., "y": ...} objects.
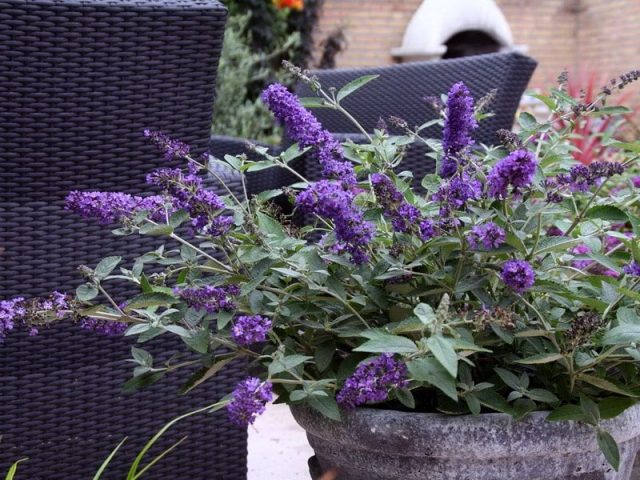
[{"x": 373, "y": 444}]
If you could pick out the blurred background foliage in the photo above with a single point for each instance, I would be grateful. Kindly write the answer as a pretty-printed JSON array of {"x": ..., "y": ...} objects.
[{"x": 260, "y": 34}]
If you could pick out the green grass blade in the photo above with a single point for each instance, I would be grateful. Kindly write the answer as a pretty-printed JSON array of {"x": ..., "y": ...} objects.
[
  {"x": 133, "y": 471},
  {"x": 108, "y": 460},
  {"x": 159, "y": 457},
  {"x": 14, "y": 468}
]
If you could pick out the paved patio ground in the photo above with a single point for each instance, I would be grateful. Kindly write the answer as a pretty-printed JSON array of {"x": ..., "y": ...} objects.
[{"x": 278, "y": 448}]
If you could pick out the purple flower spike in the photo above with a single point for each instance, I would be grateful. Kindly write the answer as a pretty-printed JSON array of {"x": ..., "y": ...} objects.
[
  {"x": 372, "y": 381},
  {"x": 516, "y": 170},
  {"x": 112, "y": 207},
  {"x": 489, "y": 235},
  {"x": 173, "y": 149},
  {"x": 250, "y": 329},
  {"x": 104, "y": 327},
  {"x": 458, "y": 126},
  {"x": 249, "y": 400},
  {"x": 303, "y": 127},
  {"x": 518, "y": 275}
]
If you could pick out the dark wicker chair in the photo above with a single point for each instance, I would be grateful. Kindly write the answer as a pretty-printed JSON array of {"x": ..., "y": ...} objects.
[
  {"x": 399, "y": 91},
  {"x": 79, "y": 81}
]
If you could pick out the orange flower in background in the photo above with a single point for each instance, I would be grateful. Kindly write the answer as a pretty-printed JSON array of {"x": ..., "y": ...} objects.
[{"x": 292, "y": 4}]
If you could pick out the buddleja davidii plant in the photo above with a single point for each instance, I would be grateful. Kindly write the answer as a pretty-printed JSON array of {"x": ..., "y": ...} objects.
[{"x": 465, "y": 295}]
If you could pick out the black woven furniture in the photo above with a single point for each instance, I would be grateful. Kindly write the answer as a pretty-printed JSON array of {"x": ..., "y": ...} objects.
[
  {"x": 79, "y": 81},
  {"x": 400, "y": 90}
]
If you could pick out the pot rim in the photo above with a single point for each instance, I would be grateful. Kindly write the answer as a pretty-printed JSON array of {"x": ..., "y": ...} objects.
[{"x": 492, "y": 435}]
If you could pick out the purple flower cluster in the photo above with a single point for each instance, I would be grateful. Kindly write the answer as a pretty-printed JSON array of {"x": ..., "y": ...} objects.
[
  {"x": 172, "y": 148},
  {"x": 455, "y": 194},
  {"x": 104, "y": 327},
  {"x": 404, "y": 216},
  {"x": 249, "y": 400},
  {"x": 334, "y": 201},
  {"x": 188, "y": 193},
  {"x": 250, "y": 329},
  {"x": 516, "y": 170},
  {"x": 632, "y": 268},
  {"x": 458, "y": 126},
  {"x": 11, "y": 311},
  {"x": 303, "y": 127},
  {"x": 209, "y": 298},
  {"x": 489, "y": 235},
  {"x": 113, "y": 207},
  {"x": 518, "y": 275},
  {"x": 372, "y": 381}
]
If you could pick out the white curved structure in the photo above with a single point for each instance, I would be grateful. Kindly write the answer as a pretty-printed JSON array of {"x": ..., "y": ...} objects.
[{"x": 436, "y": 21}]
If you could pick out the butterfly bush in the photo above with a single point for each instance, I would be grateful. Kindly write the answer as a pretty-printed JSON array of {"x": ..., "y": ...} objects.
[{"x": 507, "y": 280}]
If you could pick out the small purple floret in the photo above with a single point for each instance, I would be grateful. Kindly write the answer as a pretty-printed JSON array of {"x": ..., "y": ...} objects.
[
  {"x": 489, "y": 235},
  {"x": 632, "y": 268},
  {"x": 209, "y": 298},
  {"x": 250, "y": 329}
]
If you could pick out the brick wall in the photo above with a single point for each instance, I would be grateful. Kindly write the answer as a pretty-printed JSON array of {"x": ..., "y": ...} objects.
[{"x": 599, "y": 35}]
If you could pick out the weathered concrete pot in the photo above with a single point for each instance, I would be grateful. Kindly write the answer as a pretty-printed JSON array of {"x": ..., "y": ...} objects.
[{"x": 372, "y": 444}]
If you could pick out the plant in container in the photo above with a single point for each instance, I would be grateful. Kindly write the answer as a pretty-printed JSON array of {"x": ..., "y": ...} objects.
[{"x": 480, "y": 323}]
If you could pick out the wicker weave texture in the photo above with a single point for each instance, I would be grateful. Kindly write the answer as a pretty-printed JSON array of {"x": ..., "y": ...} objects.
[{"x": 79, "y": 81}]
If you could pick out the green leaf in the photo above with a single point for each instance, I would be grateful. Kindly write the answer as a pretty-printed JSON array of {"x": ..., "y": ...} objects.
[
  {"x": 473, "y": 403},
  {"x": 324, "y": 354},
  {"x": 354, "y": 85},
  {"x": 444, "y": 352},
  {"x": 605, "y": 385},
  {"x": 106, "y": 266},
  {"x": 145, "y": 285},
  {"x": 622, "y": 334},
  {"x": 590, "y": 410},
  {"x": 541, "y": 358},
  {"x": 155, "y": 299},
  {"x": 425, "y": 313},
  {"x": 405, "y": 397},
  {"x": 178, "y": 218},
  {"x": 509, "y": 378},
  {"x": 542, "y": 395},
  {"x": 493, "y": 400},
  {"x": 268, "y": 194},
  {"x": 205, "y": 374},
  {"x": 611, "y": 407},
  {"x": 287, "y": 363},
  {"x": 381, "y": 342},
  {"x": 314, "y": 102},
  {"x": 86, "y": 292},
  {"x": 431, "y": 371},
  {"x": 155, "y": 230},
  {"x": 556, "y": 244},
  {"x": 326, "y": 405},
  {"x": 629, "y": 147},
  {"x": 609, "y": 448},
  {"x": 608, "y": 213},
  {"x": 566, "y": 413},
  {"x": 527, "y": 121},
  {"x": 270, "y": 226}
]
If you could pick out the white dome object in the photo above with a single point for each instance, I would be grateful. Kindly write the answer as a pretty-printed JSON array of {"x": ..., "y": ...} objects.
[{"x": 436, "y": 21}]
